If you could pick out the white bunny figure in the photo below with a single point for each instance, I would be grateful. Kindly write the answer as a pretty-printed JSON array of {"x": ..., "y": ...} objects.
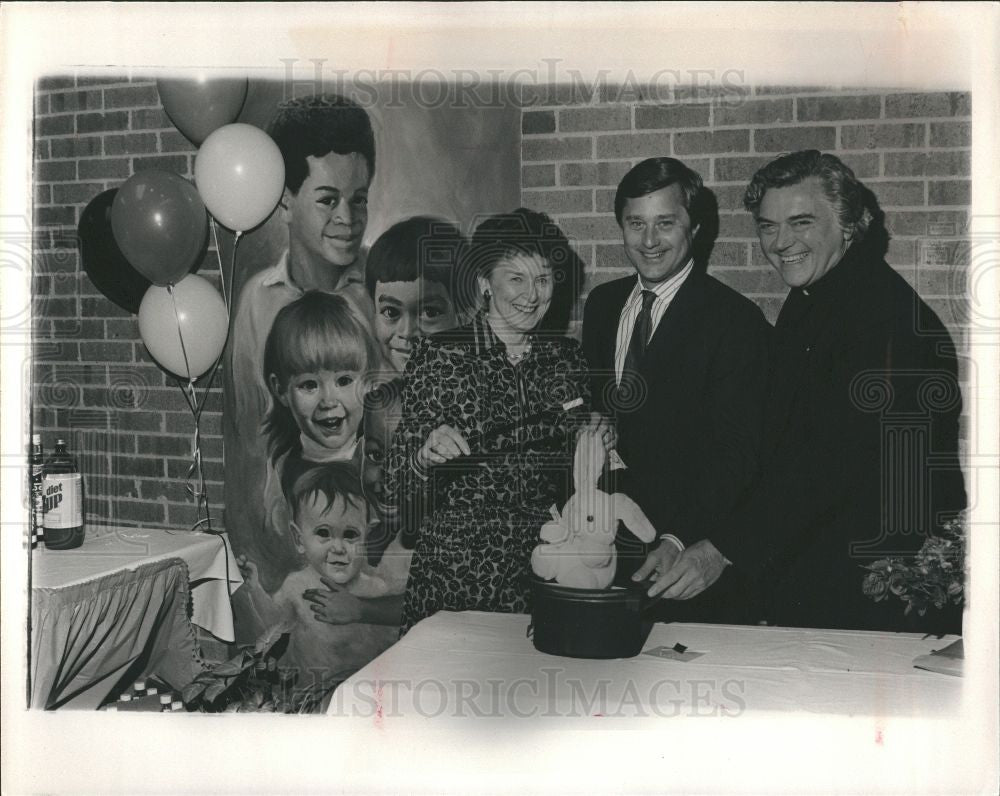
[{"x": 579, "y": 548}]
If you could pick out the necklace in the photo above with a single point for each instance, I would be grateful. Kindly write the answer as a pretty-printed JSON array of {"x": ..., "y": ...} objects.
[{"x": 519, "y": 357}]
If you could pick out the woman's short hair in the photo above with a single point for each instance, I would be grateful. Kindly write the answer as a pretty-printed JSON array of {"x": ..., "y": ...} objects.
[
  {"x": 316, "y": 126},
  {"x": 842, "y": 189},
  {"x": 656, "y": 173},
  {"x": 528, "y": 232}
]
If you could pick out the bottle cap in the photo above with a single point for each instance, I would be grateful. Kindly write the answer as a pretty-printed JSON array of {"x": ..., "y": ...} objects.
[
  {"x": 125, "y": 698},
  {"x": 139, "y": 685},
  {"x": 111, "y": 707},
  {"x": 177, "y": 706},
  {"x": 60, "y": 441},
  {"x": 165, "y": 699},
  {"x": 151, "y": 691},
  {"x": 36, "y": 439}
]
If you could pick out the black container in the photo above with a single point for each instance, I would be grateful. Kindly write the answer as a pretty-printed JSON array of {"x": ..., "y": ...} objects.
[{"x": 588, "y": 623}]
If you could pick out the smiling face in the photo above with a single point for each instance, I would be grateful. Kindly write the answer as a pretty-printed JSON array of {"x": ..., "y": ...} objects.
[
  {"x": 327, "y": 216},
  {"x": 799, "y": 232},
  {"x": 521, "y": 291},
  {"x": 327, "y": 405},
  {"x": 658, "y": 234},
  {"x": 407, "y": 310},
  {"x": 331, "y": 538}
]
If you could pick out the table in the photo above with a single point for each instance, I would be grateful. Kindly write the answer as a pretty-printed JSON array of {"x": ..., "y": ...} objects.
[
  {"x": 121, "y": 601},
  {"x": 483, "y": 664},
  {"x": 108, "y": 549}
]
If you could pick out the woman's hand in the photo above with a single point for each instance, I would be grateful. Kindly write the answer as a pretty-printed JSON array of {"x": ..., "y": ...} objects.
[
  {"x": 333, "y": 607},
  {"x": 443, "y": 444},
  {"x": 603, "y": 428}
]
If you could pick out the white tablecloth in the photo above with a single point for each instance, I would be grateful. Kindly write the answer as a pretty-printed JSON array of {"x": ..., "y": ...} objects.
[
  {"x": 108, "y": 549},
  {"x": 483, "y": 664}
]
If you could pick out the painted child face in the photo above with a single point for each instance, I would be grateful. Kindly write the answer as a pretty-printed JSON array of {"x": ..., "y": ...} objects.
[
  {"x": 407, "y": 310},
  {"x": 521, "y": 290},
  {"x": 327, "y": 216},
  {"x": 327, "y": 405},
  {"x": 332, "y": 538}
]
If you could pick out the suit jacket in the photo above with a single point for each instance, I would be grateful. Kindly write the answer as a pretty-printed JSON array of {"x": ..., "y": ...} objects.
[
  {"x": 691, "y": 442},
  {"x": 860, "y": 446}
]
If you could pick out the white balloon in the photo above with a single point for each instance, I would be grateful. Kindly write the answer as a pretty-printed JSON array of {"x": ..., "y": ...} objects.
[
  {"x": 240, "y": 175},
  {"x": 194, "y": 314}
]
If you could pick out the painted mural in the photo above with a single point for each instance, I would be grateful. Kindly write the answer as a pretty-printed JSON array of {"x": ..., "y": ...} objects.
[{"x": 312, "y": 370}]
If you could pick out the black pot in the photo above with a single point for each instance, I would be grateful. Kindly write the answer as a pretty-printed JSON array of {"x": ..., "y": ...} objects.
[{"x": 589, "y": 623}]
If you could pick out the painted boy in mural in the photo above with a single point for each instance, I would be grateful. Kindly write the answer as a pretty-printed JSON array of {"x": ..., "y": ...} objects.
[{"x": 328, "y": 147}]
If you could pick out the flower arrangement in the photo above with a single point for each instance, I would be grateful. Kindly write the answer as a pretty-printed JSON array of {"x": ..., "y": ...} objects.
[{"x": 935, "y": 576}]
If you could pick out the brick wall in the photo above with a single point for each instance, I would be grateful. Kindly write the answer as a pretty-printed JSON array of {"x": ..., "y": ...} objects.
[
  {"x": 125, "y": 418},
  {"x": 912, "y": 149},
  {"x": 94, "y": 380}
]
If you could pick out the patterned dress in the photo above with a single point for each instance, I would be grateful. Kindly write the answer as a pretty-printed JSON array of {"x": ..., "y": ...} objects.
[{"x": 478, "y": 520}]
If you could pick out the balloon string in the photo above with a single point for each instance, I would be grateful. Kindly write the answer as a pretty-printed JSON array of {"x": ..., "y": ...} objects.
[
  {"x": 199, "y": 492},
  {"x": 218, "y": 256}
]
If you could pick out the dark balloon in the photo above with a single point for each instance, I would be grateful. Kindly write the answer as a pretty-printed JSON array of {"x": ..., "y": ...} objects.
[
  {"x": 103, "y": 261},
  {"x": 199, "y": 107},
  {"x": 160, "y": 224}
]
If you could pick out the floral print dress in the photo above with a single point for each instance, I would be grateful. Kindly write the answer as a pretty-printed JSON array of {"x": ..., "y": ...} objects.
[{"x": 478, "y": 519}]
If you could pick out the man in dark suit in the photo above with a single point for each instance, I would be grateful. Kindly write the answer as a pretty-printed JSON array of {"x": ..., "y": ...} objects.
[
  {"x": 861, "y": 429},
  {"x": 679, "y": 360}
]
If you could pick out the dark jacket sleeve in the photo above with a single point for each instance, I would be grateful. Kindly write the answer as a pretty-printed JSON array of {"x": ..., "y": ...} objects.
[
  {"x": 844, "y": 467},
  {"x": 726, "y": 460}
]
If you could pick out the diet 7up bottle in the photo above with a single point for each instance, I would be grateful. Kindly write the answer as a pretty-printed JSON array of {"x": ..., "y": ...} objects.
[{"x": 62, "y": 501}]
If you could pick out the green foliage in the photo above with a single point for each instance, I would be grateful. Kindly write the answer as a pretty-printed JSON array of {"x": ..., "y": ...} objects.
[{"x": 935, "y": 576}]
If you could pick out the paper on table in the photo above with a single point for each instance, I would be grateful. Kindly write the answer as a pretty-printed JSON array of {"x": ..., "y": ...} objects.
[
  {"x": 947, "y": 660},
  {"x": 672, "y": 653}
]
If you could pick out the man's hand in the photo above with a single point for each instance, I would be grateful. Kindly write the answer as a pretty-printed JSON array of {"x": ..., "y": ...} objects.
[
  {"x": 694, "y": 570},
  {"x": 658, "y": 562},
  {"x": 333, "y": 606}
]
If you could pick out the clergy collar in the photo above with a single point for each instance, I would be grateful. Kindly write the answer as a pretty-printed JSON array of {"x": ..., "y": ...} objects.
[{"x": 838, "y": 278}]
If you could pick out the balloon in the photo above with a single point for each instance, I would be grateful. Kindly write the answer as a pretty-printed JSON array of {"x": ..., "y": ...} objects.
[
  {"x": 103, "y": 261},
  {"x": 160, "y": 224},
  {"x": 200, "y": 320},
  {"x": 240, "y": 175},
  {"x": 199, "y": 106}
]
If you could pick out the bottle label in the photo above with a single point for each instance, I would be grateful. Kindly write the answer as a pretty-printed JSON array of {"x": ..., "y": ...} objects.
[{"x": 62, "y": 500}]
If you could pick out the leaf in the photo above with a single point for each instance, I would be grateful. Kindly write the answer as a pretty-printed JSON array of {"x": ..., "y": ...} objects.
[
  {"x": 273, "y": 634},
  {"x": 230, "y": 668},
  {"x": 192, "y": 691},
  {"x": 214, "y": 691}
]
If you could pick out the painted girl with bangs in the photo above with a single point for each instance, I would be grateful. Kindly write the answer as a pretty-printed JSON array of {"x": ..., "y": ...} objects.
[{"x": 317, "y": 360}]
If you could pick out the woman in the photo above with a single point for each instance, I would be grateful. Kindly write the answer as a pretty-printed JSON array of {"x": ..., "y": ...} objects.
[{"x": 490, "y": 414}]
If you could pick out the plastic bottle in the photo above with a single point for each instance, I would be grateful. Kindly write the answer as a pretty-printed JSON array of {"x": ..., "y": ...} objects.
[
  {"x": 36, "y": 465},
  {"x": 62, "y": 492},
  {"x": 165, "y": 701}
]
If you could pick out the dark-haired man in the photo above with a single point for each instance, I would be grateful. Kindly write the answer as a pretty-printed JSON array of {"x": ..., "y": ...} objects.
[
  {"x": 861, "y": 428},
  {"x": 328, "y": 147},
  {"x": 679, "y": 360}
]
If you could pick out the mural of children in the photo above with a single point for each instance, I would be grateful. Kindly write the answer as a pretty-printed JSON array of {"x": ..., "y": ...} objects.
[
  {"x": 328, "y": 147},
  {"x": 329, "y": 528},
  {"x": 317, "y": 359}
]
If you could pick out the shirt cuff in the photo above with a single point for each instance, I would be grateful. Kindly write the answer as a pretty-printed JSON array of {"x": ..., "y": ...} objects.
[{"x": 669, "y": 537}]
